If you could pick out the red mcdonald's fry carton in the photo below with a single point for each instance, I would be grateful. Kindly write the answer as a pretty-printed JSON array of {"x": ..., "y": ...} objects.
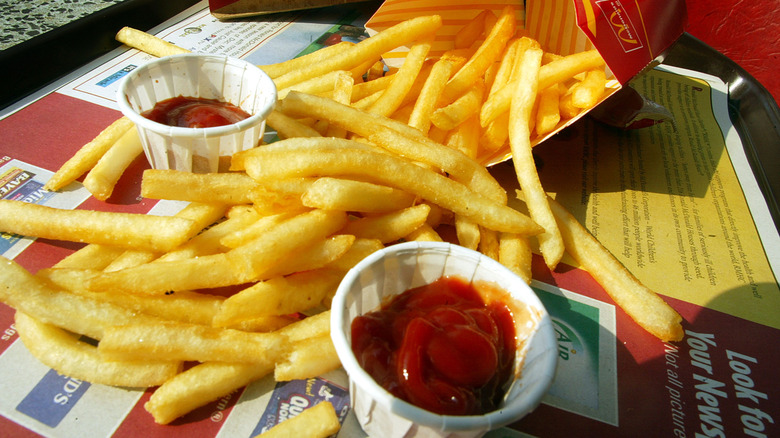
[{"x": 631, "y": 36}]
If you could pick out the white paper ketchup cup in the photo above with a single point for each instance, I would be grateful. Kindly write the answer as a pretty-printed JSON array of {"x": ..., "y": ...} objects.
[
  {"x": 205, "y": 76},
  {"x": 400, "y": 267}
]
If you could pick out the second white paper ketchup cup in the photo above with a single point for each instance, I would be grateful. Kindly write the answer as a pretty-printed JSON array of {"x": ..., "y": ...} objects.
[{"x": 400, "y": 267}]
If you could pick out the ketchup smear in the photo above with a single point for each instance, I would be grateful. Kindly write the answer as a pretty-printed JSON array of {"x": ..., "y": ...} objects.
[
  {"x": 439, "y": 347},
  {"x": 195, "y": 112}
]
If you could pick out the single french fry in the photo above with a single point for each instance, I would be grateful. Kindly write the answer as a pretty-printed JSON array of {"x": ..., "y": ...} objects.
[
  {"x": 642, "y": 304},
  {"x": 487, "y": 53},
  {"x": 129, "y": 230},
  {"x": 169, "y": 341},
  {"x": 64, "y": 352},
  {"x": 223, "y": 188},
  {"x": 278, "y": 296},
  {"x": 471, "y": 32},
  {"x": 368, "y": 49},
  {"x": 200, "y": 385},
  {"x": 319, "y": 85},
  {"x": 515, "y": 253},
  {"x": 89, "y": 154},
  {"x": 288, "y": 127},
  {"x": 315, "y": 256},
  {"x": 360, "y": 249},
  {"x": 349, "y": 195},
  {"x": 394, "y": 94},
  {"x": 389, "y": 227},
  {"x": 102, "y": 178},
  {"x": 92, "y": 256},
  {"x": 148, "y": 43},
  {"x": 429, "y": 95},
  {"x": 424, "y": 233},
  {"x": 547, "y": 114},
  {"x": 280, "y": 68},
  {"x": 467, "y": 232},
  {"x": 588, "y": 92},
  {"x": 342, "y": 93},
  {"x": 550, "y": 242},
  {"x": 465, "y": 137},
  {"x": 376, "y": 71},
  {"x": 318, "y": 421},
  {"x": 307, "y": 359},
  {"x": 370, "y": 87},
  {"x": 467, "y": 105},
  {"x": 489, "y": 243}
]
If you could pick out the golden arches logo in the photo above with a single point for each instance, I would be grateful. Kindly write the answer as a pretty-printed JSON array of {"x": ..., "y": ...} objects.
[{"x": 621, "y": 30}]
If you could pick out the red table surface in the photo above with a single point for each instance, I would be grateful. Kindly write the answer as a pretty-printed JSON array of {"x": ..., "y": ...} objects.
[{"x": 745, "y": 31}]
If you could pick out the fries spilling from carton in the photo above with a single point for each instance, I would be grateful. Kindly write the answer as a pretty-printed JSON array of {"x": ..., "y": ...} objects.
[{"x": 364, "y": 161}]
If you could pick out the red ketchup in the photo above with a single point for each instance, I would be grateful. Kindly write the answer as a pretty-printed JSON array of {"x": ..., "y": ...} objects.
[
  {"x": 195, "y": 112},
  {"x": 439, "y": 347}
]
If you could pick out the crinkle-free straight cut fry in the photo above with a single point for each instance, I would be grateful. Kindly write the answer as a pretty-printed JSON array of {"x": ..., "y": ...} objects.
[{"x": 369, "y": 157}]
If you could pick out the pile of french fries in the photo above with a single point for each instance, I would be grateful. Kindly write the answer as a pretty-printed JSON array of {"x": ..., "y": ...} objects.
[{"x": 366, "y": 158}]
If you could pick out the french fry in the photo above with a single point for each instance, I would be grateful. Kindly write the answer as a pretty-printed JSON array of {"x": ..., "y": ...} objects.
[
  {"x": 488, "y": 243},
  {"x": 102, "y": 178},
  {"x": 89, "y": 154},
  {"x": 318, "y": 421},
  {"x": 63, "y": 351},
  {"x": 394, "y": 94},
  {"x": 129, "y": 230},
  {"x": 92, "y": 256},
  {"x": 307, "y": 359},
  {"x": 452, "y": 115},
  {"x": 359, "y": 250},
  {"x": 642, "y": 304},
  {"x": 465, "y": 137},
  {"x": 550, "y": 242},
  {"x": 368, "y": 49},
  {"x": 467, "y": 232},
  {"x": 424, "y": 233},
  {"x": 148, "y": 43},
  {"x": 370, "y": 87},
  {"x": 471, "y": 32},
  {"x": 278, "y": 296},
  {"x": 588, "y": 92},
  {"x": 221, "y": 188},
  {"x": 487, "y": 53},
  {"x": 389, "y": 227},
  {"x": 78, "y": 314},
  {"x": 515, "y": 253},
  {"x": 169, "y": 341},
  {"x": 429, "y": 95},
  {"x": 199, "y": 385},
  {"x": 547, "y": 113},
  {"x": 288, "y": 127},
  {"x": 395, "y": 172},
  {"x": 349, "y": 195},
  {"x": 280, "y": 68},
  {"x": 315, "y": 256}
]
